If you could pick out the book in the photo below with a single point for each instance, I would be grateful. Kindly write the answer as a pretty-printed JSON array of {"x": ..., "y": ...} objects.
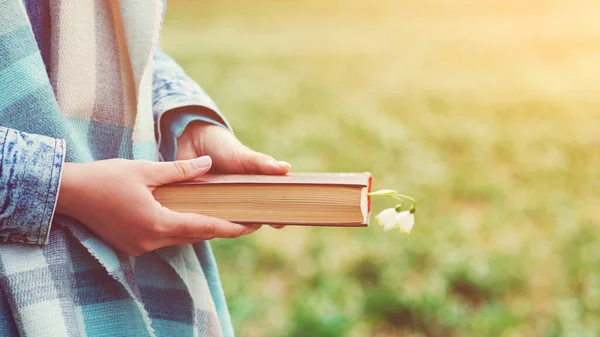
[{"x": 309, "y": 199}]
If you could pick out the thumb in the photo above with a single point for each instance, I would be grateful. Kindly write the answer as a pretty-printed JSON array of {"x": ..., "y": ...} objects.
[{"x": 180, "y": 170}]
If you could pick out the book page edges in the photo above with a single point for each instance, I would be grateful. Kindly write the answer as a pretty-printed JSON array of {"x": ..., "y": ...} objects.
[
  {"x": 348, "y": 179},
  {"x": 348, "y": 224}
]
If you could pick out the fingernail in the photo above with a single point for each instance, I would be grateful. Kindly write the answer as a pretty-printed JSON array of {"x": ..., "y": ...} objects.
[
  {"x": 202, "y": 162},
  {"x": 250, "y": 229},
  {"x": 284, "y": 163},
  {"x": 280, "y": 163}
]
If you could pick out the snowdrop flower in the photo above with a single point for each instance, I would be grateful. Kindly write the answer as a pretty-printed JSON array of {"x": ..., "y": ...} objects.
[
  {"x": 405, "y": 221},
  {"x": 391, "y": 218},
  {"x": 387, "y": 218}
]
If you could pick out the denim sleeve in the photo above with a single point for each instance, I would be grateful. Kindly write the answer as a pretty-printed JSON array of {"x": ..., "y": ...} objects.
[
  {"x": 172, "y": 125},
  {"x": 177, "y": 101},
  {"x": 30, "y": 172},
  {"x": 172, "y": 88}
]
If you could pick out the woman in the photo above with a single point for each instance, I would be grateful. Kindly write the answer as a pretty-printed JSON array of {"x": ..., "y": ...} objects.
[{"x": 88, "y": 104}]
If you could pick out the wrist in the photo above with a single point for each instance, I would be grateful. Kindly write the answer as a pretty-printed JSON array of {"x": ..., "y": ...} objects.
[
  {"x": 64, "y": 203},
  {"x": 191, "y": 134}
]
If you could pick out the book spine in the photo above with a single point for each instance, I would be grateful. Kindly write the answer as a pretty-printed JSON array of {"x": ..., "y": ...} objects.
[{"x": 369, "y": 188}]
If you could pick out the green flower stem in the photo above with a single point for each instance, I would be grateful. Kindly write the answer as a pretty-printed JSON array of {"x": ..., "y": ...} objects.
[
  {"x": 405, "y": 197},
  {"x": 397, "y": 196},
  {"x": 412, "y": 209}
]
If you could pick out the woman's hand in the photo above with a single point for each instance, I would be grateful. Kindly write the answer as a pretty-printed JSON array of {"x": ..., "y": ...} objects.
[
  {"x": 113, "y": 198},
  {"x": 228, "y": 154}
]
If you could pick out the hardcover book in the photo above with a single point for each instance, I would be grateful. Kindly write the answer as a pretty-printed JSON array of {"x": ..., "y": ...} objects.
[{"x": 305, "y": 199}]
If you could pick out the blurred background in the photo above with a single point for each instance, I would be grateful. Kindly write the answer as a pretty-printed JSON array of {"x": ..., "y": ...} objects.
[{"x": 486, "y": 111}]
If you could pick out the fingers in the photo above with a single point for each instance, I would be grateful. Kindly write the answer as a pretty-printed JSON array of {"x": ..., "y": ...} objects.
[
  {"x": 181, "y": 170},
  {"x": 200, "y": 227},
  {"x": 258, "y": 163},
  {"x": 277, "y": 226},
  {"x": 183, "y": 240},
  {"x": 173, "y": 229}
]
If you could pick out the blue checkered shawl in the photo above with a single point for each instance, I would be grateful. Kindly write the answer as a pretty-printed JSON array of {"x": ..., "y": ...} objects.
[{"x": 56, "y": 277}]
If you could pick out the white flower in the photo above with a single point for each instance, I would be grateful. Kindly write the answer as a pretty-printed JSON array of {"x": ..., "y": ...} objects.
[
  {"x": 405, "y": 220},
  {"x": 389, "y": 218}
]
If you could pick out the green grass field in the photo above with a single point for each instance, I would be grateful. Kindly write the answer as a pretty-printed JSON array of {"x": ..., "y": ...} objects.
[{"x": 487, "y": 112}]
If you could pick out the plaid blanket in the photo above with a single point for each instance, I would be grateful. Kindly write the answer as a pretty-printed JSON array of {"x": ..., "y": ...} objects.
[{"x": 77, "y": 285}]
